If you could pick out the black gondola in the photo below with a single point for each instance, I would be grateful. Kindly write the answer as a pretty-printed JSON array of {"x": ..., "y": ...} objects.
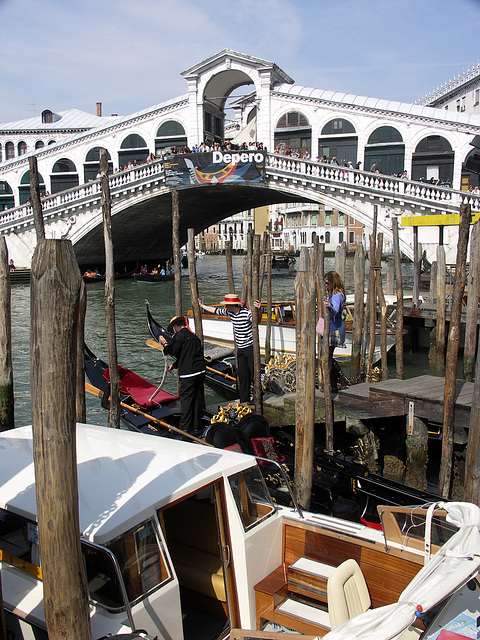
[{"x": 221, "y": 371}]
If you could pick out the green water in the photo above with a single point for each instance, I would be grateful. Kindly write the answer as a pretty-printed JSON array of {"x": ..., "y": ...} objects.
[{"x": 132, "y": 331}]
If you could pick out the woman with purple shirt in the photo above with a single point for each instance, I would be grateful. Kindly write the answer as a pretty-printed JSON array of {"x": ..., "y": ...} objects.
[{"x": 335, "y": 302}]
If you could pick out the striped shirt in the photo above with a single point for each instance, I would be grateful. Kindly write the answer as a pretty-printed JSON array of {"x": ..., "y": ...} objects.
[{"x": 242, "y": 325}]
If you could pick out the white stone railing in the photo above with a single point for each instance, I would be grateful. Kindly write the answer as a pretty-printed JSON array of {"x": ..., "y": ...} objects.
[
  {"x": 59, "y": 203},
  {"x": 417, "y": 193}
]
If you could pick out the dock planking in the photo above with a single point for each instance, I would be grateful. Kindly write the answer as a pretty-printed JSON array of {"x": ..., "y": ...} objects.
[{"x": 392, "y": 397}]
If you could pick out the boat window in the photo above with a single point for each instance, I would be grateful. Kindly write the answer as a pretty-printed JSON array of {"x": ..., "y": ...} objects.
[
  {"x": 19, "y": 543},
  {"x": 102, "y": 578},
  {"x": 406, "y": 526},
  {"x": 251, "y": 497},
  {"x": 141, "y": 561}
]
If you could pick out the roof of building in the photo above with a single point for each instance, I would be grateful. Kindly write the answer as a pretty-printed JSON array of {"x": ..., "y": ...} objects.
[
  {"x": 381, "y": 104},
  {"x": 71, "y": 119}
]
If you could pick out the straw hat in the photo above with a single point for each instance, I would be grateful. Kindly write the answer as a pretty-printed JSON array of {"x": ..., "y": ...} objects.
[
  {"x": 232, "y": 299},
  {"x": 174, "y": 320}
]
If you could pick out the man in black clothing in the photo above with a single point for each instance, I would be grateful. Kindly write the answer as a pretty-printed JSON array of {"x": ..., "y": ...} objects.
[{"x": 188, "y": 351}]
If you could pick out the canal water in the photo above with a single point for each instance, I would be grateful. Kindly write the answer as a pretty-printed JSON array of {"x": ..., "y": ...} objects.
[{"x": 132, "y": 331}]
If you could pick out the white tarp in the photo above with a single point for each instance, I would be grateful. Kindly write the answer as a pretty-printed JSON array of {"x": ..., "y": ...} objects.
[{"x": 450, "y": 568}]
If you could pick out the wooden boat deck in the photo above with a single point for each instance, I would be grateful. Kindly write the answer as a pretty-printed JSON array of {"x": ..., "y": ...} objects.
[{"x": 392, "y": 397}]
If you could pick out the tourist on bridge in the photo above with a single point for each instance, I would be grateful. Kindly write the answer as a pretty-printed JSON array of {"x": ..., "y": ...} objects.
[{"x": 241, "y": 318}]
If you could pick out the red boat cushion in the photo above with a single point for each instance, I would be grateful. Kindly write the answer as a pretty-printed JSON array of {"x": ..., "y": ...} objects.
[
  {"x": 140, "y": 389},
  {"x": 266, "y": 448}
]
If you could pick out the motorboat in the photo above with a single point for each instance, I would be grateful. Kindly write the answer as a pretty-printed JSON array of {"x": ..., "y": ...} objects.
[
  {"x": 218, "y": 330},
  {"x": 184, "y": 542}
]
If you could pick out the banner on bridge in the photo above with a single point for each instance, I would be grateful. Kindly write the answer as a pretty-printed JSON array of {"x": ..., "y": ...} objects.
[{"x": 214, "y": 167}]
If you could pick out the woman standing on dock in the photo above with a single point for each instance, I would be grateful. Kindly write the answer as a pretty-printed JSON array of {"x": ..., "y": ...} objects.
[{"x": 335, "y": 302}]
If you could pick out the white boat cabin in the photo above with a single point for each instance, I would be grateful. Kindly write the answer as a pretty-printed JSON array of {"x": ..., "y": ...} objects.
[{"x": 184, "y": 541}]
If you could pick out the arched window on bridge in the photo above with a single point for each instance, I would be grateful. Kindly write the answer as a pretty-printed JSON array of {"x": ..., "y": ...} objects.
[
  {"x": 51, "y": 142},
  {"x": 24, "y": 188},
  {"x": 133, "y": 149},
  {"x": 385, "y": 146},
  {"x": 39, "y": 144},
  {"x": 9, "y": 150},
  {"x": 170, "y": 134},
  {"x": 432, "y": 161},
  {"x": 22, "y": 148},
  {"x": 64, "y": 175},
  {"x": 7, "y": 200},
  {"x": 338, "y": 139},
  {"x": 293, "y": 135},
  {"x": 92, "y": 164},
  {"x": 470, "y": 170}
]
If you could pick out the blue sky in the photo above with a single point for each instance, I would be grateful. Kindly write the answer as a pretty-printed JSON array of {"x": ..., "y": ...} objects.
[{"x": 128, "y": 54}]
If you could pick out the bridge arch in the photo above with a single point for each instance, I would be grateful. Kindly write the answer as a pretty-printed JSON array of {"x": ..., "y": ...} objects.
[
  {"x": 170, "y": 133},
  {"x": 64, "y": 175},
  {"x": 433, "y": 158},
  {"x": 24, "y": 188},
  {"x": 293, "y": 131},
  {"x": 132, "y": 148},
  {"x": 91, "y": 165}
]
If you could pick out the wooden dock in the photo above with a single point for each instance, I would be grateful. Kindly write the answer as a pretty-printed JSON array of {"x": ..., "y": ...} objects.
[{"x": 393, "y": 398}]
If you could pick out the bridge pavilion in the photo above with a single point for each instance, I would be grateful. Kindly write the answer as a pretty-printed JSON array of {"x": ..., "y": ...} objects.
[{"x": 430, "y": 144}]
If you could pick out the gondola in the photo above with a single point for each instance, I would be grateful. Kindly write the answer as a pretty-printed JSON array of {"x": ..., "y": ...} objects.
[{"x": 221, "y": 370}]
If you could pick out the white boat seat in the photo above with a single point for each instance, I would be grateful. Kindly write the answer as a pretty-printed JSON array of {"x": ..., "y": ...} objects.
[{"x": 347, "y": 593}]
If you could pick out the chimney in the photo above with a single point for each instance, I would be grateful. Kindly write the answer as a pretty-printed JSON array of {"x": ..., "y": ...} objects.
[{"x": 99, "y": 109}]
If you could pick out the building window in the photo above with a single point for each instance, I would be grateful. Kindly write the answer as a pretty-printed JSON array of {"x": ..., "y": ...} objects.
[
  {"x": 464, "y": 101},
  {"x": 9, "y": 150},
  {"x": 328, "y": 219},
  {"x": 477, "y": 97},
  {"x": 341, "y": 219},
  {"x": 351, "y": 237},
  {"x": 292, "y": 119},
  {"x": 47, "y": 116},
  {"x": 22, "y": 148},
  {"x": 314, "y": 220},
  {"x": 340, "y": 236},
  {"x": 39, "y": 144},
  {"x": 458, "y": 105},
  {"x": 327, "y": 237}
]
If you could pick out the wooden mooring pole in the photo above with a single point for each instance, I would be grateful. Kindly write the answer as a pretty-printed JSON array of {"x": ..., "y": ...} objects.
[
  {"x": 305, "y": 396},
  {"x": 80, "y": 396},
  {"x": 441, "y": 308},
  {"x": 177, "y": 262},
  {"x": 473, "y": 294},
  {"x": 115, "y": 409},
  {"x": 257, "y": 371},
  {"x": 452, "y": 353},
  {"x": 399, "y": 314},
  {"x": 268, "y": 328},
  {"x": 228, "y": 256},
  {"x": 55, "y": 290},
  {"x": 192, "y": 272},
  {"x": 383, "y": 308},
  {"x": 358, "y": 313},
  {"x": 7, "y": 418}
]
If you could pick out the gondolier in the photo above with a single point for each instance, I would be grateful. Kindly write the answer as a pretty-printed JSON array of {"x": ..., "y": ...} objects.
[
  {"x": 188, "y": 351},
  {"x": 241, "y": 318}
]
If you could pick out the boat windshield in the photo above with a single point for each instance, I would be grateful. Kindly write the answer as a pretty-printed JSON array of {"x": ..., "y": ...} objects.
[
  {"x": 406, "y": 526},
  {"x": 252, "y": 498}
]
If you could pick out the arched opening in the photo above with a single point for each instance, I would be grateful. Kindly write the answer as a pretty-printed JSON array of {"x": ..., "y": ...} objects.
[
  {"x": 51, "y": 142},
  {"x": 91, "y": 167},
  {"x": 7, "y": 200},
  {"x": 471, "y": 171},
  {"x": 338, "y": 140},
  {"x": 327, "y": 237},
  {"x": 215, "y": 96},
  {"x": 9, "y": 150},
  {"x": 386, "y": 148},
  {"x": 39, "y": 144},
  {"x": 22, "y": 148},
  {"x": 433, "y": 161},
  {"x": 48, "y": 117},
  {"x": 64, "y": 175},
  {"x": 293, "y": 135},
  {"x": 134, "y": 150},
  {"x": 24, "y": 187},
  {"x": 170, "y": 134}
]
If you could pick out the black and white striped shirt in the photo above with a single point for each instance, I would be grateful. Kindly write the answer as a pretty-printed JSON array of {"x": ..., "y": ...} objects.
[{"x": 242, "y": 325}]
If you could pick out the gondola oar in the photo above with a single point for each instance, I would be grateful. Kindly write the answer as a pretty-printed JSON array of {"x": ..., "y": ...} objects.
[
  {"x": 96, "y": 392},
  {"x": 156, "y": 345}
]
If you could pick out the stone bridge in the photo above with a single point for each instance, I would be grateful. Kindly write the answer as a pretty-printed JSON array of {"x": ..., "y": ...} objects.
[{"x": 141, "y": 207}]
